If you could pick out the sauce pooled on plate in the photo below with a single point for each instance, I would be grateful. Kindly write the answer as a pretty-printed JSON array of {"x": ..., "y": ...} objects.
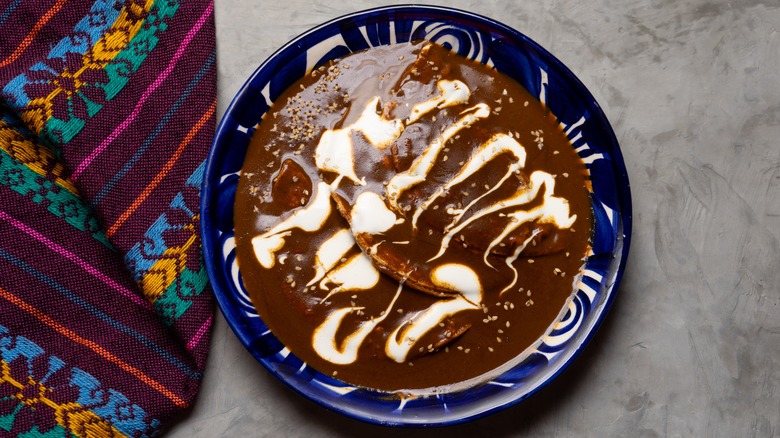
[{"x": 409, "y": 219}]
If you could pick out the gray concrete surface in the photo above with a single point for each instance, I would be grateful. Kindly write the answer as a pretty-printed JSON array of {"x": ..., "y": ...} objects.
[{"x": 692, "y": 345}]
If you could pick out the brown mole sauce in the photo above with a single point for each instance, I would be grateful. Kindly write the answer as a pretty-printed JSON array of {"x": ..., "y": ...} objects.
[{"x": 280, "y": 176}]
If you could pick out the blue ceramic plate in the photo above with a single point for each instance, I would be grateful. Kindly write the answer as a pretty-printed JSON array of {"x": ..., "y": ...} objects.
[{"x": 488, "y": 42}]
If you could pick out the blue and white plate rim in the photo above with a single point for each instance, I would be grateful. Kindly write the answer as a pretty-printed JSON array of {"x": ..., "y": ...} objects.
[{"x": 601, "y": 291}]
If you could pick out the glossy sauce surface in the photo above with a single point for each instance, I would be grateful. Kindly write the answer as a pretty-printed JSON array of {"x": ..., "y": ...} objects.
[{"x": 408, "y": 219}]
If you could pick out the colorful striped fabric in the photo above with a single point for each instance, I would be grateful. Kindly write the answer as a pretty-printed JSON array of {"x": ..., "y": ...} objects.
[{"x": 106, "y": 114}]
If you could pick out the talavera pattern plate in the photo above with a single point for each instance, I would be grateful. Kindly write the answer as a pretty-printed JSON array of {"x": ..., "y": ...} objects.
[{"x": 491, "y": 43}]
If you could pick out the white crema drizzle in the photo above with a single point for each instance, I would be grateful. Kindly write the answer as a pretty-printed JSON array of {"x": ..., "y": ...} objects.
[
  {"x": 423, "y": 164},
  {"x": 352, "y": 274},
  {"x": 309, "y": 218},
  {"x": 371, "y": 215},
  {"x": 357, "y": 273},
  {"x": 553, "y": 210},
  {"x": 324, "y": 338},
  {"x": 453, "y": 276},
  {"x": 335, "y": 151},
  {"x": 497, "y": 145},
  {"x": 452, "y": 93}
]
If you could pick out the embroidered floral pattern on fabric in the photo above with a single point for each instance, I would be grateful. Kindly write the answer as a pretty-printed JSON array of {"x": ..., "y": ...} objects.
[
  {"x": 168, "y": 264},
  {"x": 56, "y": 97},
  {"x": 32, "y": 170},
  {"x": 41, "y": 394}
]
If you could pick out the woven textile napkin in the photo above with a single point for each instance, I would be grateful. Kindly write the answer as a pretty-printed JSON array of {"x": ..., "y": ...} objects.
[{"x": 106, "y": 114}]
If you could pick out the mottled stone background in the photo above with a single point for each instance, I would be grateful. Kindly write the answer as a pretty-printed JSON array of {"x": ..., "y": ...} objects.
[{"x": 692, "y": 345}]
